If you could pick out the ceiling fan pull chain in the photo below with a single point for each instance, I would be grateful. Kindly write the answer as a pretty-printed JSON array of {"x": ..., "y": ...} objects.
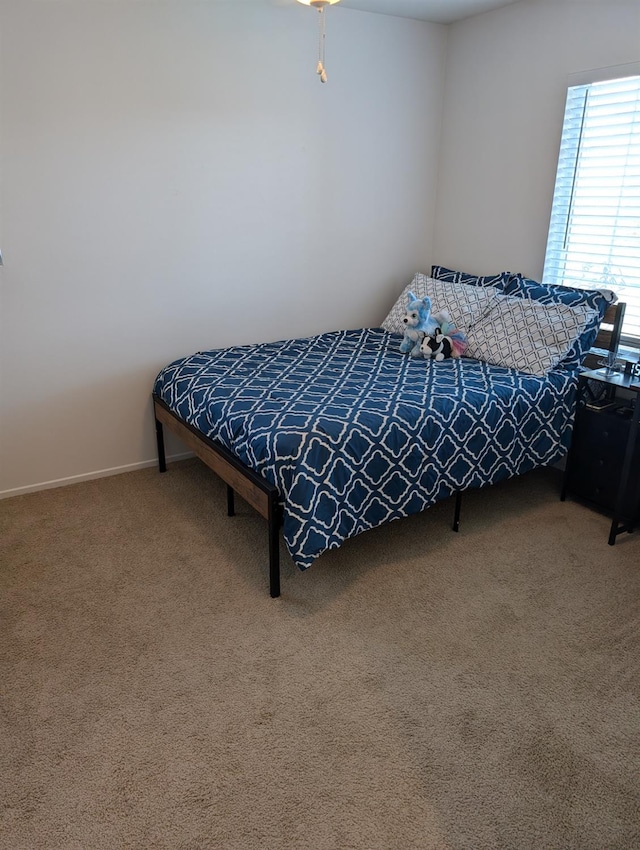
[
  {"x": 322, "y": 32},
  {"x": 321, "y": 45}
]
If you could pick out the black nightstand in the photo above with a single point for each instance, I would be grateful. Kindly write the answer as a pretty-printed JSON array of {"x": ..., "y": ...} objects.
[{"x": 603, "y": 466}]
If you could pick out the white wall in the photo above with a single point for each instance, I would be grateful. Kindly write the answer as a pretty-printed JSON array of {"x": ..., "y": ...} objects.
[
  {"x": 505, "y": 90},
  {"x": 175, "y": 177}
]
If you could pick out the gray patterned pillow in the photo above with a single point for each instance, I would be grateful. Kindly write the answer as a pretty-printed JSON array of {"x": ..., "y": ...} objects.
[
  {"x": 466, "y": 304},
  {"x": 526, "y": 335}
]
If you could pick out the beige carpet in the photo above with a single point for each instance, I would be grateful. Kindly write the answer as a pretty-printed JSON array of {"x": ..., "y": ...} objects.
[{"x": 415, "y": 689}]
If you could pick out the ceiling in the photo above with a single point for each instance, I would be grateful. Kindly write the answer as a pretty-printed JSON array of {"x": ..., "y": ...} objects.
[{"x": 437, "y": 11}]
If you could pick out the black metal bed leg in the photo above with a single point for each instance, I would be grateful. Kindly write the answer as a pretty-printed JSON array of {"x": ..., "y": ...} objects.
[
  {"x": 274, "y": 546},
  {"x": 231, "y": 505},
  {"x": 456, "y": 513},
  {"x": 565, "y": 477},
  {"x": 162, "y": 460}
]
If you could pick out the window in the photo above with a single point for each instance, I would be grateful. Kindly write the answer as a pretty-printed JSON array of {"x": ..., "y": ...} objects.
[{"x": 594, "y": 234}]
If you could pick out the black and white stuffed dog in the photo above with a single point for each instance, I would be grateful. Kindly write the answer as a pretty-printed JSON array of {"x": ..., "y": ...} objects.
[{"x": 438, "y": 346}]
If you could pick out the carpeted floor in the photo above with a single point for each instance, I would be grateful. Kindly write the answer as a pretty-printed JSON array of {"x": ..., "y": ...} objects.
[{"x": 416, "y": 688}]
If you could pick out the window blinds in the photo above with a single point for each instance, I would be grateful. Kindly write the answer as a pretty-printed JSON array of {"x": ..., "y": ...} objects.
[{"x": 594, "y": 233}]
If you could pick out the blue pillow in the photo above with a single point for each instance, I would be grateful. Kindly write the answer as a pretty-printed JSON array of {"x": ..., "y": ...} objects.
[
  {"x": 598, "y": 300},
  {"x": 450, "y": 276}
]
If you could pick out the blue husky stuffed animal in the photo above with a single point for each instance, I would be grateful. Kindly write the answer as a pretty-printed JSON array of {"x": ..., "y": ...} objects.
[{"x": 417, "y": 324}]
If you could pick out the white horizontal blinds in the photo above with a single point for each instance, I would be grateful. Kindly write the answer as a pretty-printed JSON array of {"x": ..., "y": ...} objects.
[{"x": 594, "y": 234}]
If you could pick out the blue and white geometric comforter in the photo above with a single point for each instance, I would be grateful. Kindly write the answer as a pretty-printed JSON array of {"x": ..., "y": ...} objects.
[{"x": 355, "y": 434}]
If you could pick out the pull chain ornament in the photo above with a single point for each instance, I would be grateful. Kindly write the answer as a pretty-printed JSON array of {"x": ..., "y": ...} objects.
[{"x": 322, "y": 34}]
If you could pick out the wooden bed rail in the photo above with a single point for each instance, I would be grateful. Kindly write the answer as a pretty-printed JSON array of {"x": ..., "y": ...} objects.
[
  {"x": 261, "y": 495},
  {"x": 608, "y": 338}
]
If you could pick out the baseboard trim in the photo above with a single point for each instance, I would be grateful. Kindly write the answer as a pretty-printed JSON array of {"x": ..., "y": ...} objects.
[{"x": 89, "y": 476}]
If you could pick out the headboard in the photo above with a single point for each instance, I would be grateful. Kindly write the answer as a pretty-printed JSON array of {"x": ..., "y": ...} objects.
[{"x": 608, "y": 338}]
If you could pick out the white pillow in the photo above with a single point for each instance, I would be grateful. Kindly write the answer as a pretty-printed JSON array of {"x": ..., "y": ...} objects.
[
  {"x": 526, "y": 335},
  {"x": 465, "y": 303}
]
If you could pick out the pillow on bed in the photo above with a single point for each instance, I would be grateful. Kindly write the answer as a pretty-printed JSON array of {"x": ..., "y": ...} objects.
[
  {"x": 597, "y": 299},
  {"x": 466, "y": 304},
  {"x": 497, "y": 280},
  {"x": 527, "y": 335}
]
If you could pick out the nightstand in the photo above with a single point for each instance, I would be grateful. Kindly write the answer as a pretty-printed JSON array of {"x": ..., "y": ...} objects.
[{"x": 603, "y": 466}]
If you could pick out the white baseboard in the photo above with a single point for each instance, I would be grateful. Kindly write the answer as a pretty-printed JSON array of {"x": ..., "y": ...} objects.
[{"x": 89, "y": 476}]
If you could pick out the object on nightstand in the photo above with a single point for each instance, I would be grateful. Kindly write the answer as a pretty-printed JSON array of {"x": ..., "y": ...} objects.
[
  {"x": 625, "y": 363},
  {"x": 600, "y": 404}
]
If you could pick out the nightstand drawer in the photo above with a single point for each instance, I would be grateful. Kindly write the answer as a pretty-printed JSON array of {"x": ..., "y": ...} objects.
[{"x": 596, "y": 486}]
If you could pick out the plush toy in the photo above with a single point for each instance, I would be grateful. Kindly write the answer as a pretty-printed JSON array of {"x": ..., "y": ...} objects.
[
  {"x": 445, "y": 341},
  {"x": 417, "y": 324}
]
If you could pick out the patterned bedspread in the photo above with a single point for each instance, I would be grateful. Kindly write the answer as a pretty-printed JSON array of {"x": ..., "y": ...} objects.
[{"x": 355, "y": 434}]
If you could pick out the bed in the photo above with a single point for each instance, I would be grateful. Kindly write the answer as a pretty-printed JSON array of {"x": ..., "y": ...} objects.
[{"x": 332, "y": 435}]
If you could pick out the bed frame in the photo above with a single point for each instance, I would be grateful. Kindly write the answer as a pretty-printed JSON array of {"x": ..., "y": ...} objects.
[
  {"x": 265, "y": 497},
  {"x": 261, "y": 495}
]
